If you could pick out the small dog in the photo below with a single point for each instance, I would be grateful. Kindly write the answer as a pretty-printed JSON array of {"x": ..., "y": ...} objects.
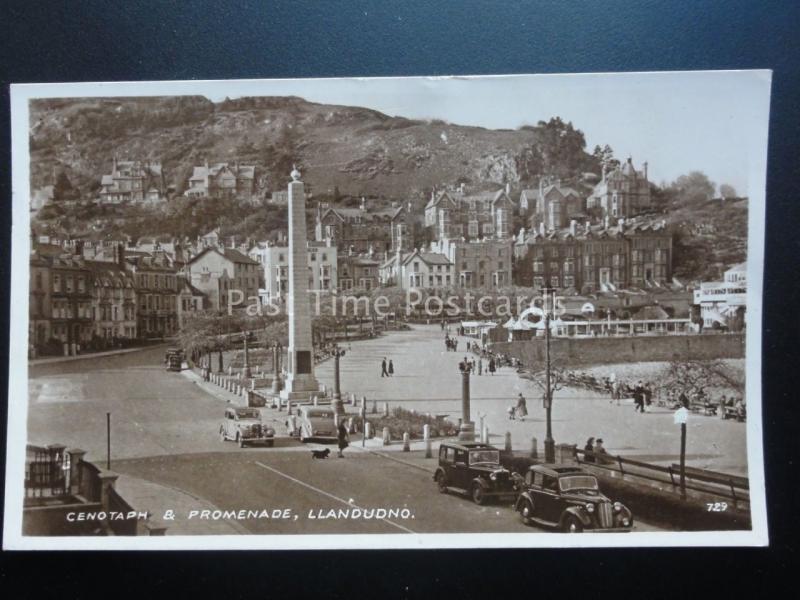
[{"x": 320, "y": 453}]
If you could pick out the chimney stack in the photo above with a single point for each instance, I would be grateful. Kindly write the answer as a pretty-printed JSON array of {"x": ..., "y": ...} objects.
[
  {"x": 572, "y": 227},
  {"x": 645, "y": 169}
]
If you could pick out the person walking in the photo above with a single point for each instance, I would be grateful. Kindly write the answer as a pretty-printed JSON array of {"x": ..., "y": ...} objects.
[
  {"x": 648, "y": 395},
  {"x": 480, "y": 366},
  {"x": 492, "y": 366},
  {"x": 638, "y": 397},
  {"x": 588, "y": 450},
  {"x": 522, "y": 407},
  {"x": 384, "y": 372},
  {"x": 614, "y": 392},
  {"x": 343, "y": 438},
  {"x": 391, "y": 368}
]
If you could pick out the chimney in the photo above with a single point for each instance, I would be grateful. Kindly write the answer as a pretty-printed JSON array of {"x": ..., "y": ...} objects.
[
  {"x": 363, "y": 203},
  {"x": 588, "y": 227},
  {"x": 645, "y": 169},
  {"x": 461, "y": 188},
  {"x": 572, "y": 227}
]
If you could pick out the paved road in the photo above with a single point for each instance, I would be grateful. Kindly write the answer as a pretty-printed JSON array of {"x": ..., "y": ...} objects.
[
  {"x": 153, "y": 411},
  {"x": 427, "y": 379}
]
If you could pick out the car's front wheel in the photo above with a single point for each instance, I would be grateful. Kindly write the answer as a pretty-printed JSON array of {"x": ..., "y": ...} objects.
[
  {"x": 526, "y": 512},
  {"x": 240, "y": 440},
  {"x": 572, "y": 525},
  {"x": 478, "y": 495},
  {"x": 441, "y": 483},
  {"x": 222, "y": 435}
]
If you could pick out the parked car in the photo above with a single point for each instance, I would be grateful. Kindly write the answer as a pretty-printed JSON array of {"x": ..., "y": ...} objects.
[
  {"x": 174, "y": 359},
  {"x": 569, "y": 498},
  {"x": 474, "y": 468},
  {"x": 244, "y": 426},
  {"x": 316, "y": 423}
]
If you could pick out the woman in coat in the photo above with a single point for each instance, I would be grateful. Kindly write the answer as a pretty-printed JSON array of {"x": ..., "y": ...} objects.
[
  {"x": 491, "y": 366},
  {"x": 342, "y": 435}
]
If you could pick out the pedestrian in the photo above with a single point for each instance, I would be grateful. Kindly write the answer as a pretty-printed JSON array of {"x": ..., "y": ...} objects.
[
  {"x": 601, "y": 455},
  {"x": 480, "y": 366},
  {"x": 342, "y": 437},
  {"x": 638, "y": 397},
  {"x": 511, "y": 411},
  {"x": 391, "y": 368},
  {"x": 588, "y": 451},
  {"x": 648, "y": 394},
  {"x": 384, "y": 372},
  {"x": 455, "y": 345},
  {"x": 491, "y": 366},
  {"x": 683, "y": 399},
  {"x": 522, "y": 407},
  {"x": 614, "y": 392}
]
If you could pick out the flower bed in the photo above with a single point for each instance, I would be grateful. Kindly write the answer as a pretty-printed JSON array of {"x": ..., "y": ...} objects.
[{"x": 401, "y": 420}]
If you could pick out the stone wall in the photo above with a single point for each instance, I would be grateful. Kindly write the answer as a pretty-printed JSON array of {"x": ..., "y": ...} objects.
[{"x": 574, "y": 352}]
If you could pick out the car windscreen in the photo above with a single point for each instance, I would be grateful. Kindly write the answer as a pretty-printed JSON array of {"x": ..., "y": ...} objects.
[
  {"x": 248, "y": 414},
  {"x": 484, "y": 456},
  {"x": 577, "y": 482}
]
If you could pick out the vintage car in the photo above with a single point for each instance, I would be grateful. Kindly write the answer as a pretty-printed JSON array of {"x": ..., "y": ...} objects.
[
  {"x": 568, "y": 498},
  {"x": 244, "y": 426},
  {"x": 173, "y": 359},
  {"x": 315, "y": 423},
  {"x": 474, "y": 468}
]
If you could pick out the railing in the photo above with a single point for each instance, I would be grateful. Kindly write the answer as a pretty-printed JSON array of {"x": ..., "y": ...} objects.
[
  {"x": 117, "y": 503},
  {"x": 723, "y": 485}
]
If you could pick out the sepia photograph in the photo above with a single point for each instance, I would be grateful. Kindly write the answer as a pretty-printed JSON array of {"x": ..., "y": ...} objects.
[{"x": 450, "y": 312}]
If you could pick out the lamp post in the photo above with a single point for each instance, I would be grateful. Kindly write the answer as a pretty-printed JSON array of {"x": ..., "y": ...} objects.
[
  {"x": 549, "y": 442},
  {"x": 680, "y": 417},
  {"x": 337, "y": 390},
  {"x": 246, "y": 367},
  {"x": 466, "y": 433}
]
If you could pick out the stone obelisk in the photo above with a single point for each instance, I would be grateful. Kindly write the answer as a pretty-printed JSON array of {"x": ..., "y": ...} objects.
[{"x": 300, "y": 381}]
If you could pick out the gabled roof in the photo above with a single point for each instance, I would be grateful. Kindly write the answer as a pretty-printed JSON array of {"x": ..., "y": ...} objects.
[{"x": 230, "y": 253}]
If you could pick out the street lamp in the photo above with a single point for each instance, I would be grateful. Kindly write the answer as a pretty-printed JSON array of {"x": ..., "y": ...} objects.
[
  {"x": 466, "y": 432},
  {"x": 549, "y": 442},
  {"x": 337, "y": 391}
]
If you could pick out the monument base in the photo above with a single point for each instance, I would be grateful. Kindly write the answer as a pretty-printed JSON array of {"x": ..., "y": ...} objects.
[
  {"x": 300, "y": 389},
  {"x": 466, "y": 432}
]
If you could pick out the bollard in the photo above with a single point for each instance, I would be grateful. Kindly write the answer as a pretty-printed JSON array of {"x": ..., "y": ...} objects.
[
  {"x": 351, "y": 425},
  {"x": 385, "y": 409},
  {"x": 406, "y": 442},
  {"x": 374, "y": 407},
  {"x": 352, "y": 399},
  {"x": 534, "y": 449},
  {"x": 280, "y": 404},
  {"x": 288, "y": 407},
  {"x": 252, "y": 384},
  {"x": 426, "y": 434},
  {"x": 364, "y": 402},
  {"x": 230, "y": 369},
  {"x": 508, "y": 441},
  {"x": 292, "y": 424},
  {"x": 367, "y": 430},
  {"x": 386, "y": 436}
]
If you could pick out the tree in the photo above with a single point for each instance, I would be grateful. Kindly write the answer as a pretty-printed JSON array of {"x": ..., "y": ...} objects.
[
  {"x": 694, "y": 187},
  {"x": 727, "y": 191},
  {"x": 699, "y": 374},
  {"x": 63, "y": 190}
]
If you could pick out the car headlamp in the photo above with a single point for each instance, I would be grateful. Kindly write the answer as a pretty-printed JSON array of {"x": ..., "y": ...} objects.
[
  {"x": 625, "y": 522},
  {"x": 617, "y": 507},
  {"x": 590, "y": 507},
  {"x": 493, "y": 476}
]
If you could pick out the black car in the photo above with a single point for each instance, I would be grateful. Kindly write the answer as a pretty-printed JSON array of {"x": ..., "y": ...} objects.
[
  {"x": 569, "y": 498},
  {"x": 474, "y": 468}
]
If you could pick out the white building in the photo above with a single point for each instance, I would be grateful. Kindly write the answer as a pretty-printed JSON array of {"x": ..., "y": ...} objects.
[
  {"x": 418, "y": 269},
  {"x": 724, "y": 302},
  {"x": 274, "y": 261}
]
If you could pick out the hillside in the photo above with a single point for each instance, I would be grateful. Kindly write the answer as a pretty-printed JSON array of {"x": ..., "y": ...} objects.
[{"x": 357, "y": 150}]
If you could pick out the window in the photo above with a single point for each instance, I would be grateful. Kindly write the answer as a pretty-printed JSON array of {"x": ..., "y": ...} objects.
[
  {"x": 538, "y": 282},
  {"x": 56, "y": 283}
]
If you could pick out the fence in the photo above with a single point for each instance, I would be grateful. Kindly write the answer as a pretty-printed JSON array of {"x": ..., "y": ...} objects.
[
  {"x": 46, "y": 471},
  {"x": 722, "y": 485}
]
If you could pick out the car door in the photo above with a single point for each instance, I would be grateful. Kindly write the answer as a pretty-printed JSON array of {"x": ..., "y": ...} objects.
[
  {"x": 461, "y": 469},
  {"x": 550, "y": 499}
]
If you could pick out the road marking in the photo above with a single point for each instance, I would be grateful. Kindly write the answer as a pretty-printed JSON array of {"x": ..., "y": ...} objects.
[{"x": 324, "y": 493}]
